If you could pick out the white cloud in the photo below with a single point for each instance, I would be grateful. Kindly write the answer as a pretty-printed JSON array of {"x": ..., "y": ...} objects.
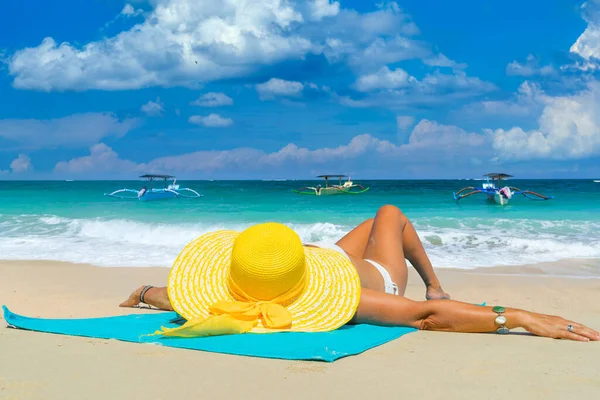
[
  {"x": 432, "y": 147},
  {"x": 458, "y": 81},
  {"x": 588, "y": 43},
  {"x": 21, "y": 164},
  {"x": 337, "y": 50},
  {"x": 206, "y": 161},
  {"x": 359, "y": 145},
  {"x": 529, "y": 101},
  {"x": 404, "y": 122},
  {"x": 252, "y": 159},
  {"x": 77, "y": 130},
  {"x": 384, "y": 79},
  {"x": 153, "y": 108},
  {"x": 179, "y": 43},
  {"x": 101, "y": 159},
  {"x": 445, "y": 150},
  {"x": 428, "y": 148},
  {"x": 370, "y": 40},
  {"x": 275, "y": 87},
  {"x": 213, "y": 99},
  {"x": 394, "y": 90},
  {"x": 211, "y": 121},
  {"x": 350, "y": 102},
  {"x": 531, "y": 67},
  {"x": 320, "y": 9},
  {"x": 440, "y": 60},
  {"x": 187, "y": 42},
  {"x": 383, "y": 51},
  {"x": 130, "y": 11},
  {"x": 569, "y": 128},
  {"x": 430, "y": 134}
]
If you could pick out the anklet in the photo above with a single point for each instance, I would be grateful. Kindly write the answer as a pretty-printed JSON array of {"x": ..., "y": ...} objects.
[{"x": 144, "y": 290}]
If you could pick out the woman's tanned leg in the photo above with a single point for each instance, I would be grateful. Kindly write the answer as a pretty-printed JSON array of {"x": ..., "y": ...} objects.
[
  {"x": 385, "y": 245},
  {"x": 156, "y": 296},
  {"x": 415, "y": 253},
  {"x": 392, "y": 240},
  {"x": 355, "y": 241}
]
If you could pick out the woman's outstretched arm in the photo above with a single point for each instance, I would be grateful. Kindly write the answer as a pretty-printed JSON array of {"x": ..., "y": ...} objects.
[
  {"x": 436, "y": 315},
  {"x": 454, "y": 316}
]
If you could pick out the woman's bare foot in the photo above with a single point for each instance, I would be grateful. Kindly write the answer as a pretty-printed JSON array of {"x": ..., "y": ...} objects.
[
  {"x": 436, "y": 293},
  {"x": 134, "y": 298},
  {"x": 154, "y": 297}
]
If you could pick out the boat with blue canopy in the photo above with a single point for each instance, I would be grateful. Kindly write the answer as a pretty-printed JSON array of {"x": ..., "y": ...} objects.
[
  {"x": 169, "y": 191},
  {"x": 497, "y": 194}
]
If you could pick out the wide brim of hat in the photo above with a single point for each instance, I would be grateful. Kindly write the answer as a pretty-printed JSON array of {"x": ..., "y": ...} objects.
[{"x": 199, "y": 278}]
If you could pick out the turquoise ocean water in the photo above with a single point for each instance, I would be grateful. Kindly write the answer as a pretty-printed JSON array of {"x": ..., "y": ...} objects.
[{"x": 73, "y": 221}]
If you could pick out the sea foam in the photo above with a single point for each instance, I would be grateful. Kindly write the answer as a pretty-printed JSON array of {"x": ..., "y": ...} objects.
[{"x": 449, "y": 242}]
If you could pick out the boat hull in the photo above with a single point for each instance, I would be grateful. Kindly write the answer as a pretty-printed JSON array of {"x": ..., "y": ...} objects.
[
  {"x": 329, "y": 191},
  {"x": 158, "y": 194},
  {"x": 334, "y": 190},
  {"x": 500, "y": 199}
]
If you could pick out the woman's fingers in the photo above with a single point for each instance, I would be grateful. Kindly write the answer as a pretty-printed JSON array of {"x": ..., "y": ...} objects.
[
  {"x": 574, "y": 336},
  {"x": 558, "y": 328},
  {"x": 584, "y": 331},
  {"x": 574, "y": 331}
]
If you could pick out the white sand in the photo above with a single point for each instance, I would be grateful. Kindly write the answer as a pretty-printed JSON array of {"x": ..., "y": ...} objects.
[{"x": 421, "y": 365}]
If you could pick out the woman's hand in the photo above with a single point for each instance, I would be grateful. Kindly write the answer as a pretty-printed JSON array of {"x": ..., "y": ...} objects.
[{"x": 558, "y": 328}]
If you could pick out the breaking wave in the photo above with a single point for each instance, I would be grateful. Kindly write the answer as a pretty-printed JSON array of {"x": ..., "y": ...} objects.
[{"x": 450, "y": 242}]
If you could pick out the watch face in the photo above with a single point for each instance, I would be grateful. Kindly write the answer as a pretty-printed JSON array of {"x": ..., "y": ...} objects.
[
  {"x": 503, "y": 330},
  {"x": 500, "y": 319}
]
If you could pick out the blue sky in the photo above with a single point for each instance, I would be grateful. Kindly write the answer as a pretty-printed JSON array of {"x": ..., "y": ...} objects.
[{"x": 289, "y": 89}]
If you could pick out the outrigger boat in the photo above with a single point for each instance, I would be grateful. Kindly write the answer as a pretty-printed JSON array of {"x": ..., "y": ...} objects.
[
  {"x": 347, "y": 187},
  {"x": 169, "y": 191},
  {"x": 499, "y": 195}
]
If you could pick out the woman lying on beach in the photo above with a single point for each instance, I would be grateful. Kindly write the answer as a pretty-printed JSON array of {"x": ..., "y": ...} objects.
[{"x": 220, "y": 285}]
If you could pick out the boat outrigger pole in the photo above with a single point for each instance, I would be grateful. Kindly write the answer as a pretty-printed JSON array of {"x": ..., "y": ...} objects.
[
  {"x": 169, "y": 191},
  {"x": 500, "y": 195},
  {"x": 347, "y": 187}
]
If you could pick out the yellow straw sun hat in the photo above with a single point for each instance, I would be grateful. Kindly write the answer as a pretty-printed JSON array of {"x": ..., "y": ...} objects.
[{"x": 260, "y": 280}]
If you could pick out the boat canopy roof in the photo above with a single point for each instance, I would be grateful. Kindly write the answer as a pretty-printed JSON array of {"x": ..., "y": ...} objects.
[
  {"x": 495, "y": 175},
  {"x": 332, "y": 176},
  {"x": 152, "y": 176}
]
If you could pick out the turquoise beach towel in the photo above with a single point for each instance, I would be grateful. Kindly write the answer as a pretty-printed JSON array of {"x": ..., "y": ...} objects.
[{"x": 322, "y": 346}]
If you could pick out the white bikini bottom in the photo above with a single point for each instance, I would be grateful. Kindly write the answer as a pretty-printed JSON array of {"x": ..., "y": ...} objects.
[{"x": 390, "y": 286}]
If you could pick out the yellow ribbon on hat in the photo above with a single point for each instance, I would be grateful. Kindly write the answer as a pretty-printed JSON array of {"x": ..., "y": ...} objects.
[{"x": 231, "y": 317}]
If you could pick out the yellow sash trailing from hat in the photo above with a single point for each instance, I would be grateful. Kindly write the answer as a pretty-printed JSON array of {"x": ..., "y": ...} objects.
[{"x": 231, "y": 317}]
